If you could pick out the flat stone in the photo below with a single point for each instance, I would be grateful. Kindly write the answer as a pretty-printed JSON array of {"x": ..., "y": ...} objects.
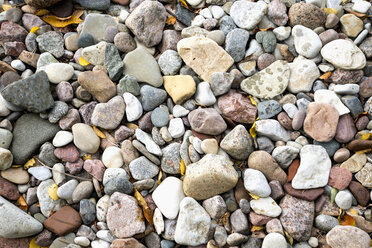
[
  {"x": 51, "y": 42},
  {"x": 247, "y": 14},
  {"x": 274, "y": 240},
  {"x": 141, "y": 168},
  {"x": 255, "y": 182},
  {"x": 339, "y": 178},
  {"x": 96, "y": 24},
  {"x": 360, "y": 193},
  {"x": 266, "y": 206},
  {"x": 347, "y": 237},
  {"x": 346, "y": 130},
  {"x": 147, "y": 140},
  {"x": 303, "y": 73},
  {"x": 109, "y": 115},
  {"x": 63, "y": 221},
  {"x": 179, "y": 87},
  {"x": 272, "y": 129},
  {"x": 364, "y": 175},
  {"x": 306, "y": 14},
  {"x": 207, "y": 121},
  {"x": 355, "y": 163},
  {"x": 351, "y": 25},
  {"x": 330, "y": 97},
  {"x": 171, "y": 159},
  {"x": 16, "y": 175},
  {"x": 58, "y": 72},
  {"x": 308, "y": 195}
]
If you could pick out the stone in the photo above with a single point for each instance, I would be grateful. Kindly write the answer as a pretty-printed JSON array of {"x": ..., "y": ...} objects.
[
  {"x": 193, "y": 223},
  {"x": 62, "y": 138},
  {"x": 199, "y": 53},
  {"x": 216, "y": 207},
  {"x": 344, "y": 199},
  {"x": 303, "y": 73},
  {"x": 147, "y": 22},
  {"x": 169, "y": 62},
  {"x": 112, "y": 157},
  {"x": 95, "y": 4},
  {"x": 16, "y": 175},
  {"x": 207, "y": 121},
  {"x": 124, "y": 209},
  {"x": 272, "y": 129},
  {"x": 297, "y": 217},
  {"x": 306, "y": 41},
  {"x": 204, "y": 95},
  {"x": 211, "y": 175},
  {"x": 67, "y": 153},
  {"x": 268, "y": 83},
  {"x": 256, "y": 183},
  {"x": 129, "y": 242},
  {"x": 176, "y": 128},
  {"x": 345, "y": 129},
  {"x": 8, "y": 190},
  {"x": 133, "y": 109},
  {"x": 41, "y": 3},
  {"x": 151, "y": 97},
  {"x": 142, "y": 65},
  {"x": 180, "y": 87},
  {"x": 167, "y": 197},
  {"x": 325, "y": 222},
  {"x": 95, "y": 168},
  {"x": 58, "y": 72},
  {"x": 84, "y": 138},
  {"x": 268, "y": 109},
  {"x": 308, "y": 195},
  {"x": 170, "y": 161},
  {"x": 95, "y": 25},
  {"x": 328, "y": 96},
  {"x": 355, "y": 163},
  {"x": 266, "y": 206},
  {"x": 274, "y": 240},
  {"x": 364, "y": 175},
  {"x": 314, "y": 168},
  {"x": 347, "y": 237},
  {"x": 351, "y": 25},
  {"x": 47, "y": 204},
  {"x": 113, "y": 62},
  {"x": 98, "y": 84},
  {"x": 6, "y": 138},
  {"x": 306, "y": 14},
  {"x": 32, "y": 93},
  {"x": 82, "y": 191},
  {"x": 109, "y": 115},
  {"x": 66, "y": 190},
  {"x": 247, "y": 15},
  {"x": 235, "y": 43},
  {"x": 159, "y": 117},
  {"x": 63, "y": 221},
  {"x": 141, "y": 168},
  {"x": 30, "y": 132},
  {"x": 51, "y": 42},
  {"x": 87, "y": 211},
  {"x": 339, "y": 178},
  {"x": 344, "y": 54},
  {"x": 284, "y": 155},
  {"x": 41, "y": 173},
  {"x": 359, "y": 192},
  {"x": 238, "y": 143}
]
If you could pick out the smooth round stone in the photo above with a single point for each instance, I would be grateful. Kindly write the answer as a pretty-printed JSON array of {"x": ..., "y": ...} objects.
[
  {"x": 266, "y": 206},
  {"x": 62, "y": 138},
  {"x": 282, "y": 33},
  {"x": 40, "y": 173},
  {"x": 16, "y": 175},
  {"x": 345, "y": 89},
  {"x": 209, "y": 146},
  {"x": 176, "y": 128},
  {"x": 58, "y": 72},
  {"x": 112, "y": 157},
  {"x": 348, "y": 236},
  {"x": 87, "y": 211},
  {"x": 133, "y": 109},
  {"x": 18, "y": 65},
  {"x": 82, "y": 191},
  {"x": 274, "y": 240},
  {"x": 141, "y": 168},
  {"x": 255, "y": 182},
  {"x": 6, "y": 138},
  {"x": 85, "y": 138},
  {"x": 159, "y": 117},
  {"x": 65, "y": 191},
  {"x": 6, "y": 159},
  {"x": 344, "y": 199},
  {"x": 101, "y": 208},
  {"x": 85, "y": 40},
  {"x": 341, "y": 155},
  {"x": 325, "y": 222},
  {"x": 111, "y": 173},
  {"x": 306, "y": 41},
  {"x": 179, "y": 111},
  {"x": 82, "y": 241}
]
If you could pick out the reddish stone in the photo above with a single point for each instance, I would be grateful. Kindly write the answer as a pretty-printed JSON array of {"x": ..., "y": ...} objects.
[
  {"x": 360, "y": 193},
  {"x": 45, "y": 238},
  {"x": 358, "y": 145},
  {"x": 64, "y": 221},
  {"x": 8, "y": 190},
  {"x": 11, "y": 31},
  {"x": 345, "y": 129},
  {"x": 145, "y": 122},
  {"x": 67, "y": 153},
  {"x": 341, "y": 76},
  {"x": 264, "y": 60},
  {"x": 285, "y": 121},
  {"x": 258, "y": 219},
  {"x": 75, "y": 167},
  {"x": 237, "y": 107},
  {"x": 362, "y": 123},
  {"x": 276, "y": 190},
  {"x": 319, "y": 203},
  {"x": 70, "y": 119},
  {"x": 308, "y": 194},
  {"x": 127, "y": 243},
  {"x": 150, "y": 202},
  {"x": 240, "y": 191},
  {"x": 292, "y": 170},
  {"x": 95, "y": 168},
  {"x": 339, "y": 178},
  {"x": 201, "y": 136},
  {"x": 123, "y": 133},
  {"x": 86, "y": 112},
  {"x": 15, "y": 243},
  {"x": 14, "y": 48}
]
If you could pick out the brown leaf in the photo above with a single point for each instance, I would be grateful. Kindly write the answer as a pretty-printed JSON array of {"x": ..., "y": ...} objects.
[
  {"x": 326, "y": 75},
  {"x": 147, "y": 211},
  {"x": 347, "y": 220}
]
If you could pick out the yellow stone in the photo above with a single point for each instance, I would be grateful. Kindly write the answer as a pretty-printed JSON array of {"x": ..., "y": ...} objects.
[
  {"x": 351, "y": 25},
  {"x": 204, "y": 56},
  {"x": 180, "y": 87}
]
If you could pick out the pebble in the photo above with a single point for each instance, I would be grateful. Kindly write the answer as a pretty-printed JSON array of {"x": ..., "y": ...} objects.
[
  {"x": 98, "y": 84},
  {"x": 303, "y": 73},
  {"x": 306, "y": 14},
  {"x": 274, "y": 239},
  {"x": 238, "y": 143},
  {"x": 347, "y": 236},
  {"x": 204, "y": 95},
  {"x": 272, "y": 129},
  {"x": 141, "y": 168},
  {"x": 58, "y": 72},
  {"x": 65, "y": 191},
  {"x": 133, "y": 107},
  {"x": 355, "y": 162},
  {"x": 180, "y": 87},
  {"x": 247, "y": 15},
  {"x": 351, "y": 25},
  {"x": 256, "y": 183},
  {"x": 306, "y": 41},
  {"x": 235, "y": 42},
  {"x": 112, "y": 157},
  {"x": 344, "y": 199},
  {"x": 207, "y": 121},
  {"x": 325, "y": 222},
  {"x": 266, "y": 206},
  {"x": 47, "y": 204},
  {"x": 109, "y": 115},
  {"x": 330, "y": 97},
  {"x": 84, "y": 138},
  {"x": 82, "y": 191}
]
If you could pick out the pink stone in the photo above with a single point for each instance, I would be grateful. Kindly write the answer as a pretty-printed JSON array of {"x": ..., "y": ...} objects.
[
  {"x": 95, "y": 168},
  {"x": 67, "y": 153},
  {"x": 75, "y": 167},
  {"x": 339, "y": 178},
  {"x": 258, "y": 219}
]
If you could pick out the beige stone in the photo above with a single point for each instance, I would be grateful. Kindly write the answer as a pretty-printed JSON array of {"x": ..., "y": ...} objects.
[
  {"x": 16, "y": 175},
  {"x": 204, "y": 56},
  {"x": 180, "y": 87},
  {"x": 351, "y": 25},
  {"x": 98, "y": 84},
  {"x": 84, "y": 138},
  {"x": 364, "y": 176},
  {"x": 355, "y": 163}
]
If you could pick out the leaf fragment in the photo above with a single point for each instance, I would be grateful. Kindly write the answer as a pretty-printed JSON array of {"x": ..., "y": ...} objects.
[
  {"x": 330, "y": 11},
  {"x": 83, "y": 61},
  {"x": 252, "y": 130},
  {"x": 347, "y": 220},
  {"x": 326, "y": 75},
  {"x": 289, "y": 237},
  {"x": 22, "y": 203},
  {"x": 5, "y": 7},
  {"x": 334, "y": 192},
  {"x": 34, "y": 29},
  {"x": 52, "y": 192},
  {"x": 256, "y": 228},
  {"x": 42, "y": 12},
  {"x": 171, "y": 20},
  {"x": 56, "y": 22},
  {"x": 29, "y": 163},
  {"x": 147, "y": 211},
  {"x": 256, "y": 197},
  {"x": 87, "y": 157},
  {"x": 182, "y": 167},
  {"x": 34, "y": 245},
  {"x": 98, "y": 132},
  {"x": 366, "y": 136}
]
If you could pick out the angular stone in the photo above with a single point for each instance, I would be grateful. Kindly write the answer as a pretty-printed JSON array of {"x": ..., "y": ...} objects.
[
  {"x": 64, "y": 221},
  {"x": 364, "y": 176},
  {"x": 266, "y": 206},
  {"x": 339, "y": 178},
  {"x": 355, "y": 162},
  {"x": 238, "y": 143},
  {"x": 96, "y": 24},
  {"x": 180, "y": 87},
  {"x": 109, "y": 115},
  {"x": 98, "y": 84},
  {"x": 47, "y": 204},
  {"x": 207, "y": 121}
]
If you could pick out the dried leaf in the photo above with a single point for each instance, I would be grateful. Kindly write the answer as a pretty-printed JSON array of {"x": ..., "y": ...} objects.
[
  {"x": 252, "y": 130},
  {"x": 224, "y": 220},
  {"x": 256, "y": 197},
  {"x": 29, "y": 163},
  {"x": 52, "y": 192},
  {"x": 132, "y": 126},
  {"x": 357, "y": 14},
  {"x": 171, "y": 20},
  {"x": 334, "y": 192},
  {"x": 360, "y": 115},
  {"x": 34, "y": 29},
  {"x": 147, "y": 212},
  {"x": 326, "y": 75},
  {"x": 256, "y": 228},
  {"x": 330, "y": 11},
  {"x": 16, "y": 165},
  {"x": 34, "y": 245},
  {"x": 182, "y": 167},
  {"x": 347, "y": 220},
  {"x": 364, "y": 151},
  {"x": 289, "y": 237},
  {"x": 98, "y": 132},
  {"x": 83, "y": 61},
  {"x": 56, "y": 22},
  {"x": 160, "y": 176},
  {"x": 184, "y": 4},
  {"x": 42, "y": 12},
  {"x": 6, "y": 7},
  {"x": 366, "y": 136},
  {"x": 22, "y": 203},
  {"x": 252, "y": 100},
  {"x": 87, "y": 157}
]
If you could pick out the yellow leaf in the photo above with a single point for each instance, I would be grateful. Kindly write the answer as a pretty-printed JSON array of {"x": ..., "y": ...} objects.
[
  {"x": 184, "y": 4},
  {"x": 52, "y": 192},
  {"x": 16, "y": 166},
  {"x": 98, "y": 132},
  {"x": 256, "y": 197},
  {"x": 55, "y": 22},
  {"x": 87, "y": 156},
  {"x": 353, "y": 212},
  {"x": 252, "y": 100},
  {"x": 34, "y": 245},
  {"x": 252, "y": 131},
  {"x": 182, "y": 167},
  {"x": 42, "y": 12},
  {"x": 21, "y": 201},
  {"x": 147, "y": 212},
  {"x": 364, "y": 151},
  {"x": 334, "y": 192},
  {"x": 83, "y": 62},
  {"x": 160, "y": 176},
  {"x": 6, "y": 7},
  {"x": 171, "y": 20},
  {"x": 330, "y": 11},
  {"x": 132, "y": 126},
  {"x": 34, "y": 29},
  {"x": 365, "y": 136},
  {"x": 256, "y": 228},
  {"x": 326, "y": 75},
  {"x": 289, "y": 237},
  {"x": 29, "y": 163}
]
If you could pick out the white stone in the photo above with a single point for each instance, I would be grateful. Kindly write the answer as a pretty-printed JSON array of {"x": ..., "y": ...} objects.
[
  {"x": 266, "y": 206},
  {"x": 194, "y": 3},
  {"x": 62, "y": 138},
  {"x": 346, "y": 89},
  {"x": 204, "y": 95},
  {"x": 133, "y": 109},
  {"x": 58, "y": 173},
  {"x": 290, "y": 109},
  {"x": 272, "y": 129},
  {"x": 100, "y": 244},
  {"x": 123, "y": 15},
  {"x": 58, "y": 72},
  {"x": 344, "y": 199},
  {"x": 4, "y": 111},
  {"x": 193, "y": 223},
  {"x": 40, "y": 173},
  {"x": 254, "y": 49},
  {"x": 344, "y": 54},
  {"x": 284, "y": 155},
  {"x": 217, "y": 12},
  {"x": 303, "y": 73},
  {"x": 313, "y": 242},
  {"x": 95, "y": 54},
  {"x": 196, "y": 143},
  {"x": 314, "y": 168},
  {"x": 198, "y": 21},
  {"x": 274, "y": 240},
  {"x": 111, "y": 173},
  {"x": 158, "y": 221},
  {"x": 167, "y": 197},
  {"x": 102, "y": 207},
  {"x": 112, "y": 157},
  {"x": 18, "y": 65},
  {"x": 255, "y": 182},
  {"x": 66, "y": 190},
  {"x": 82, "y": 241},
  {"x": 85, "y": 138},
  {"x": 325, "y": 67},
  {"x": 47, "y": 204},
  {"x": 106, "y": 235},
  {"x": 306, "y": 41},
  {"x": 282, "y": 33},
  {"x": 179, "y": 111},
  {"x": 361, "y": 6},
  {"x": 330, "y": 97},
  {"x": 176, "y": 128},
  {"x": 247, "y": 14},
  {"x": 147, "y": 140},
  {"x": 206, "y": 13}
]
